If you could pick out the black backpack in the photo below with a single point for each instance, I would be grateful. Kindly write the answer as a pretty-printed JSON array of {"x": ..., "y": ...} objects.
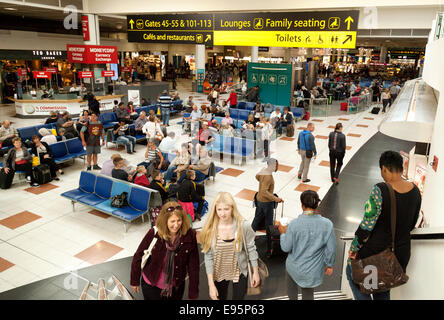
[{"x": 119, "y": 200}]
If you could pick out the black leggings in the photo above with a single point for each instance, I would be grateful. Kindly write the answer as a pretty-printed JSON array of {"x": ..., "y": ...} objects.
[
  {"x": 27, "y": 168},
  {"x": 239, "y": 288},
  {"x": 153, "y": 293}
]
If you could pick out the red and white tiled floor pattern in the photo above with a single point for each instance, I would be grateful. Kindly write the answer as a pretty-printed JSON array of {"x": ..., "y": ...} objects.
[{"x": 40, "y": 235}]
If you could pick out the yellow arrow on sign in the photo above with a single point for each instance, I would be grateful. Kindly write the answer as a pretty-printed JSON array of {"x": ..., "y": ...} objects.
[
  {"x": 208, "y": 38},
  {"x": 349, "y": 21},
  {"x": 132, "y": 23}
]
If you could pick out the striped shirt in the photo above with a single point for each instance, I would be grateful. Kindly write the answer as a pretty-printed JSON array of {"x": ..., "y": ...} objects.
[
  {"x": 152, "y": 155},
  {"x": 165, "y": 101},
  {"x": 225, "y": 261}
]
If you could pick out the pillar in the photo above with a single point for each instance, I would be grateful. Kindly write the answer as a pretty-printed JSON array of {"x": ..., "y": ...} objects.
[
  {"x": 200, "y": 66},
  {"x": 254, "y": 53},
  {"x": 287, "y": 55},
  {"x": 93, "y": 29},
  {"x": 383, "y": 55}
]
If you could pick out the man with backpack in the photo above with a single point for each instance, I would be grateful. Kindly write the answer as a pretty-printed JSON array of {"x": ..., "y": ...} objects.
[{"x": 307, "y": 150}]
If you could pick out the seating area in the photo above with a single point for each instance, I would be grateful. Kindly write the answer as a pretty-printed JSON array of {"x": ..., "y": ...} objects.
[
  {"x": 66, "y": 150},
  {"x": 243, "y": 109},
  {"x": 233, "y": 146},
  {"x": 211, "y": 173},
  {"x": 96, "y": 191}
]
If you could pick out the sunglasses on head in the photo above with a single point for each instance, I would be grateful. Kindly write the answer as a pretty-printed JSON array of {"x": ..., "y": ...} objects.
[{"x": 171, "y": 209}]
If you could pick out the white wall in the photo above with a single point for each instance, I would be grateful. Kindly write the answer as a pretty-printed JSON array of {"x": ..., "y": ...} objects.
[
  {"x": 174, "y": 6},
  {"x": 425, "y": 272},
  {"x": 433, "y": 74}
]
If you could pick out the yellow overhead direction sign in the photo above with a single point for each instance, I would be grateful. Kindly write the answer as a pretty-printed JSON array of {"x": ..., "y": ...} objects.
[{"x": 307, "y": 39}]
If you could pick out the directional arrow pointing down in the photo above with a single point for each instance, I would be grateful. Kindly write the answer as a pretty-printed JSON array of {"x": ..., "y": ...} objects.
[{"x": 349, "y": 37}]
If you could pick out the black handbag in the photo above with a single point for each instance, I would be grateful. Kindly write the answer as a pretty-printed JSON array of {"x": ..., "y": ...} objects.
[
  {"x": 119, "y": 200},
  {"x": 273, "y": 230}
]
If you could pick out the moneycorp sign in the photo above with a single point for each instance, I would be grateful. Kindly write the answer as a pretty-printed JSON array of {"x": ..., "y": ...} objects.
[{"x": 323, "y": 29}]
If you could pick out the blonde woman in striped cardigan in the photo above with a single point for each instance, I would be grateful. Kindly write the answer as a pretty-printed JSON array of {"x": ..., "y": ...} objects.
[{"x": 222, "y": 241}]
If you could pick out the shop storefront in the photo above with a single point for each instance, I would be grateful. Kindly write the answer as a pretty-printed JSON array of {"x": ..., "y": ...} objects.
[{"x": 11, "y": 61}]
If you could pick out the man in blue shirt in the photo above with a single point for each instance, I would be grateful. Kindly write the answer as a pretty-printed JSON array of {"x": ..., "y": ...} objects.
[
  {"x": 307, "y": 150},
  {"x": 165, "y": 106}
]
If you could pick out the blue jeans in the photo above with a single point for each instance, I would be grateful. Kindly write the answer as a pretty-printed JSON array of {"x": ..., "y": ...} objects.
[
  {"x": 165, "y": 115},
  {"x": 358, "y": 294},
  {"x": 169, "y": 173},
  {"x": 129, "y": 141},
  {"x": 199, "y": 177}
]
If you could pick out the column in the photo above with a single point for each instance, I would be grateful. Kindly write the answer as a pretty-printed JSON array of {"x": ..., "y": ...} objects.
[
  {"x": 91, "y": 22},
  {"x": 287, "y": 55},
  {"x": 383, "y": 55},
  {"x": 254, "y": 53},
  {"x": 200, "y": 66}
]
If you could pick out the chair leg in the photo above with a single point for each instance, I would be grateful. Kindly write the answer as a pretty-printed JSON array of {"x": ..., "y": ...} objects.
[
  {"x": 73, "y": 206},
  {"x": 125, "y": 226},
  {"x": 143, "y": 218}
]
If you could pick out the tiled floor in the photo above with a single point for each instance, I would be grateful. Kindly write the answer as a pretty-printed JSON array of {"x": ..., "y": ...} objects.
[
  {"x": 42, "y": 189},
  {"x": 99, "y": 252},
  {"x": 19, "y": 219},
  {"x": 47, "y": 238}
]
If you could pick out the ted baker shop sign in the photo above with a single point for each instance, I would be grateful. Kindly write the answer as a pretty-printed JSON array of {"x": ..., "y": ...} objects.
[{"x": 91, "y": 54}]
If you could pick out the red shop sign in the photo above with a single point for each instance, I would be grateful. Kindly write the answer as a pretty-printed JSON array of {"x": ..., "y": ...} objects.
[
  {"x": 126, "y": 69},
  {"x": 91, "y": 54},
  {"x": 51, "y": 70},
  {"x": 85, "y": 74},
  {"x": 22, "y": 72},
  {"x": 85, "y": 28},
  {"x": 41, "y": 75},
  {"x": 108, "y": 73}
]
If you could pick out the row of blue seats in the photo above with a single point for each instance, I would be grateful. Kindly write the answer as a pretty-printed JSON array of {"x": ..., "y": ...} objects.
[
  {"x": 242, "y": 110},
  {"x": 66, "y": 150},
  {"x": 63, "y": 151},
  {"x": 96, "y": 191},
  {"x": 26, "y": 133},
  {"x": 232, "y": 145}
]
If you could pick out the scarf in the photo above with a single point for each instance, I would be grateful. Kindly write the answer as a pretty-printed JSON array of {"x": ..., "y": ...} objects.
[{"x": 169, "y": 267}]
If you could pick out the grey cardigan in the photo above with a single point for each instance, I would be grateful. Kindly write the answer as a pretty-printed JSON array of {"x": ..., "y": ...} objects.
[
  {"x": 241, "y": 256},
  {"x": 9, "y": 159}
]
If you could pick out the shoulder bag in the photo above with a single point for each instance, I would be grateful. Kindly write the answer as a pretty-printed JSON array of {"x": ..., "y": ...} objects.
[
  {"x": 119, "y": 200},
  {"x": 263, "y": 273},
  {"x": 147, "y": 252},
  {"x": 390, "y": 273},
  {"x": 308, "y": 153}
]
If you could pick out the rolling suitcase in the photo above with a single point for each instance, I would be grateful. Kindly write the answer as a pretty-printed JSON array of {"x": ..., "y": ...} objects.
[
  {"x": 42, "y": 174},
  {"x": 344, "y": 106}
]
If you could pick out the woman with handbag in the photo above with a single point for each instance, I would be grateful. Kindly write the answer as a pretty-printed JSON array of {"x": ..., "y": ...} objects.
[
  {"x": 166, "y": 256},
  {"x": 227, "y": 241},
  {"x": 310, "y": 241},
  {"x": 43, "y": 151},
  {"x": 374, "y": 234}
]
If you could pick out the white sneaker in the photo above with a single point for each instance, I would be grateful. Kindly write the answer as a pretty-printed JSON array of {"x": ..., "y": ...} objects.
[{"x": 28, "y": 179}]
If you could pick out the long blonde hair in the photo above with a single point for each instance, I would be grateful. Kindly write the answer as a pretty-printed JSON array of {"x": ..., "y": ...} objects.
[{"x": 209, "y": 232}]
